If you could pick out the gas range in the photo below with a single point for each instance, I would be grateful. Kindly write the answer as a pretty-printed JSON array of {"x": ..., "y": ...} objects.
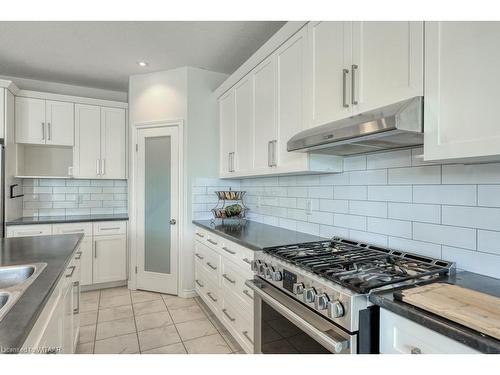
[{"x": 335, "y": 277}]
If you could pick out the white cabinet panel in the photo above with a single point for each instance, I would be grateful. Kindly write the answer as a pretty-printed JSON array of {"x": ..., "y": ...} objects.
[
  {"x": 2, "y": 113},
  {"x": 86, "y": 261},
  {"x": 110, "y": 258},
  {"x": 30, "y": 120},
  {"x": 265, "y": 132},
  {"x": 29, "y": 230},
  {"x": 87, "y": 141},
  {"x": 113, "y": 143},
  {"x": 60, "y": 119},
  {"x": 227, "y": 128},
  {"x": 244, "y": 124},
  {"x": 461, "y": 89},
  {"x": 387, "y": 63},
  {"x": 330, "y": 48}
]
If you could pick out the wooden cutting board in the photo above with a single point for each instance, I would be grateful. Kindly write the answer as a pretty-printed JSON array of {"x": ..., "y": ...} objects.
[{"x": 468, "y": 307}]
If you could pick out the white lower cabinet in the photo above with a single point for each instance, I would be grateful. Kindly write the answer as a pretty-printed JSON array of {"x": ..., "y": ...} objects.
[
  {"x": 103, "y": 247},
  {"x": 221, "y": 269},
  {"x": 399, "y": 335}
]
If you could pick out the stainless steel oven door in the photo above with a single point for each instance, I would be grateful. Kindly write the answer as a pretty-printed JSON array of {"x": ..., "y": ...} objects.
[{"x": 285, "y": 326}]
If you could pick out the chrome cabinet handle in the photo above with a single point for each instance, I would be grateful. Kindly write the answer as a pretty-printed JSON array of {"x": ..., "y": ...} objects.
[
  {"x": 72, "y": 271},
  {"x": 229, "y": 161},
  {"x": 49, "y": 132},
  {"x": 415, "y": 351},
  {"x": 103, "y": 167},
  {"x": 72, "y": 231},
  {"x": 209, "y": 294},
  {"x": 245, "y": 333},
  {"x": 247, "y": 261},
  {"x": 200, "y": 235},
  {"x": 274, "y": 160},
  {"x": 30, "y": 232},
  {"x": 199, "y": 256},
  {"x": 228, "y": 316},
  {"x": 228, "y": 279},
  {"x": 43, "y": 131},
  {"x": 79, "y": 255},
  {"x": 199, "y": 284},
  {"x": 354, "y": 68},
  {"x": 212, "y": 241},
  {"x": 97, "y": 168},
  {"x": 77, "y": 309},
  {"x": 211, "y": 266},
  {"x": 345, "y": 72},
  {"x": 269, "y": 152},
  {"x": 110, "y": 228},
  {"x": 95, "y": 251},
  {"x": 228, "y": 251},
  {"x": 247, "y": 293}
]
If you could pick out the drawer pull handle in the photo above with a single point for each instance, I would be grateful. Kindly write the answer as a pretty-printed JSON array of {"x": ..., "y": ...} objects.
[
  {"x": 199, "y": 284},
  {"x": 78, "y": 255},
  {"x": 228, "y": 251},
  {"x": 200, "y": 235},
  {"x": 246, "y": 260},
  {"x": 209, "y": 294},
  {"x": 110, "y": 228},
  {"x": 72, "y": 231},
  {"x": 72, "y": 271},
  {"x": 228, "y": 316},
  {"x": 30, "y": 232},
  {"x": 211, "y": 266},
  {"x": 247, "y": 293},
  {"x": 212, "y": 241},
  {"x": 199, "y": 256},
  {"x": 415, "y": 351},
  {"x": 245, "y": 333},
  {"x": 228, "y": 278}
]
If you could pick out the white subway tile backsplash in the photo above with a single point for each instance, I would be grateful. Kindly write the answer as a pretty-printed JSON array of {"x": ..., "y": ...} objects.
[
  {"x": 54, "y": 197},
  {"x": 390, "y": 227},
  {"x": 392, "y": 159},
  {"x": 427, "y": 213},
  {"x": 445, "y": 194},
  {"x": 446, "y": 235},
  {"x": 390, "y": 193},
  {"x": 415, "y": 175},
  {"x": 393, "y": 199}
]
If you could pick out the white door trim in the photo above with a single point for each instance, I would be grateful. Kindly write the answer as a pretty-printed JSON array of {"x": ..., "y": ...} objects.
[{"x": 132, "y": 283}]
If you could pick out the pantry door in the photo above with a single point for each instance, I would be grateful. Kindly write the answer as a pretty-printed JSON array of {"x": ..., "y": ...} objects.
[{"x": 157, "y": 208}]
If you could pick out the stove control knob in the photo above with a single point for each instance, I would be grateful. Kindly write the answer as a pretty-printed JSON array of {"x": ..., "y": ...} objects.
[
  {"x": 309, "y": 295},
  {"x": 262, "y": 269},
  {"x": 269, "y": 272},
  {"x": 321, "y": 301},
  {"x": 335, "y": 309},
  {"x": 298, "y": 288},
  {"x": 276, "y": 276},
  {"x": 255, "y": 265}
]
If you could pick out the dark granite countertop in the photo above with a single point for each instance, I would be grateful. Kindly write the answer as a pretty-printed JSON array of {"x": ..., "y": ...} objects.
[
  {"x": 66, "y": 219},
  {"x": 57, "y": 252},
  {"x": 257, "y": 236},
  {"x": 455, "y": 331}
]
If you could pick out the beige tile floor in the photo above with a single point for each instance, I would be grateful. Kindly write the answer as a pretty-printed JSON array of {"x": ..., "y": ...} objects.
[{"x": 120, "y": 321}]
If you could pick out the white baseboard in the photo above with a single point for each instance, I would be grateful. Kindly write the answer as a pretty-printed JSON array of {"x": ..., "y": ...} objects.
[
  {"x": 114, "y": 284},
  {"x": 188, "y": 293}
]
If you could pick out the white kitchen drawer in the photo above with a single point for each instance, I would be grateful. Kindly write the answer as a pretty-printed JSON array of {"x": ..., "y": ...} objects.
[
  {"x": 106, "y": 228},
  {"x": 399, "y": 335},
  {"x": 212, "y": 296},
  {"x": 240, "y": 255},
  {"x": 29, "y": 230},
  {"x": 200, "y": 234},
  {"x": 238, "y": 318},
  {"x": 233, "y": 280},
  {"x": 209, "y": 259},
  {"x": 84, "y": 228}
]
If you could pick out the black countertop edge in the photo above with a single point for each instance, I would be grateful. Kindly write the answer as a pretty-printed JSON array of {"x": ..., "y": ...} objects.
[
  {"x": 19, "y": 321},
  {"x": 66, "y": 219},
  {"x": 455, "y": 331},
  {"x": 257, "y": 236}
]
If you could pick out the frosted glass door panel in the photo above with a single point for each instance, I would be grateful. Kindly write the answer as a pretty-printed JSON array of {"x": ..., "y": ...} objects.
[{"x": 157, "y": 204}]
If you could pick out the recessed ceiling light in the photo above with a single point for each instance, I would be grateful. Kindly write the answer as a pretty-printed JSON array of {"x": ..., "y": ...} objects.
[{"x": 142, "y": 63}]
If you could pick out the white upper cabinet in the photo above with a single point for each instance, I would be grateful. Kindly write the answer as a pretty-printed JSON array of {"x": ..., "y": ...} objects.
[
  {"x": 60, "y": 123},
  {"x": 100, "y": 142},
  {"x": 87, "y": 151},
  {"x": 330, "y": 57},
  {"x": 42, "y": 122},
  {"x": 387, "y": 63},
  {"x": 30, "y": 121},
  {"x": 461, "y": 90},
  {"x": 113, "y": 143},
  {"x": 265, "y": 133},
  {"x": 2, "y": 112},
  {"x": 244, "y": 111},
  {"x": 227, "y": 128}
]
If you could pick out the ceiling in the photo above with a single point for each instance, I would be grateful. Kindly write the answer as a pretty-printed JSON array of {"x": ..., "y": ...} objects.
[{"x": 104, "y": 54}]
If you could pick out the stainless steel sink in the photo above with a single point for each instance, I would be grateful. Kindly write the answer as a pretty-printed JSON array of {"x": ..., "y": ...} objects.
[{"x": 14, "y": 280}]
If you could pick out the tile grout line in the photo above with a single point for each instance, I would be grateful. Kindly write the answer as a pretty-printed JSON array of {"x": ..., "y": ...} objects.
[
  {"x": 173, "y": 323},
  {"x": 135, "y": 322}
]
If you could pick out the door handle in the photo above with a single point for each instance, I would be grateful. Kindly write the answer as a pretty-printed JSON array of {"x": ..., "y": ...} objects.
[
  {"x": 43, "y": 131},
  {"x": 345, "y": 72},
  {"x": 173, "y": 222},
  {"x": 354, "y": 68},
  {"x": 49, "y": 132}
]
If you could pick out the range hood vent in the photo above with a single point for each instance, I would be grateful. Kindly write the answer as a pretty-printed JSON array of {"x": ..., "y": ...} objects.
[{"x": 393, "y": 126}]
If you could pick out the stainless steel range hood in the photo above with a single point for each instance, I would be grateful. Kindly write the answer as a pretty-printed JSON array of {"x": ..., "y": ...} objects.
[{"x": 393, "y": 126}]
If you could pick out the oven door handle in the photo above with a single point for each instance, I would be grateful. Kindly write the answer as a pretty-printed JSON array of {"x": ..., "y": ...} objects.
[{"x": 329, "y": 339}]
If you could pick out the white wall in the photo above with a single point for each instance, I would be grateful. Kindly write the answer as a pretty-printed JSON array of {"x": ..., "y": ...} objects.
[{"x": 181, "y": 94}]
